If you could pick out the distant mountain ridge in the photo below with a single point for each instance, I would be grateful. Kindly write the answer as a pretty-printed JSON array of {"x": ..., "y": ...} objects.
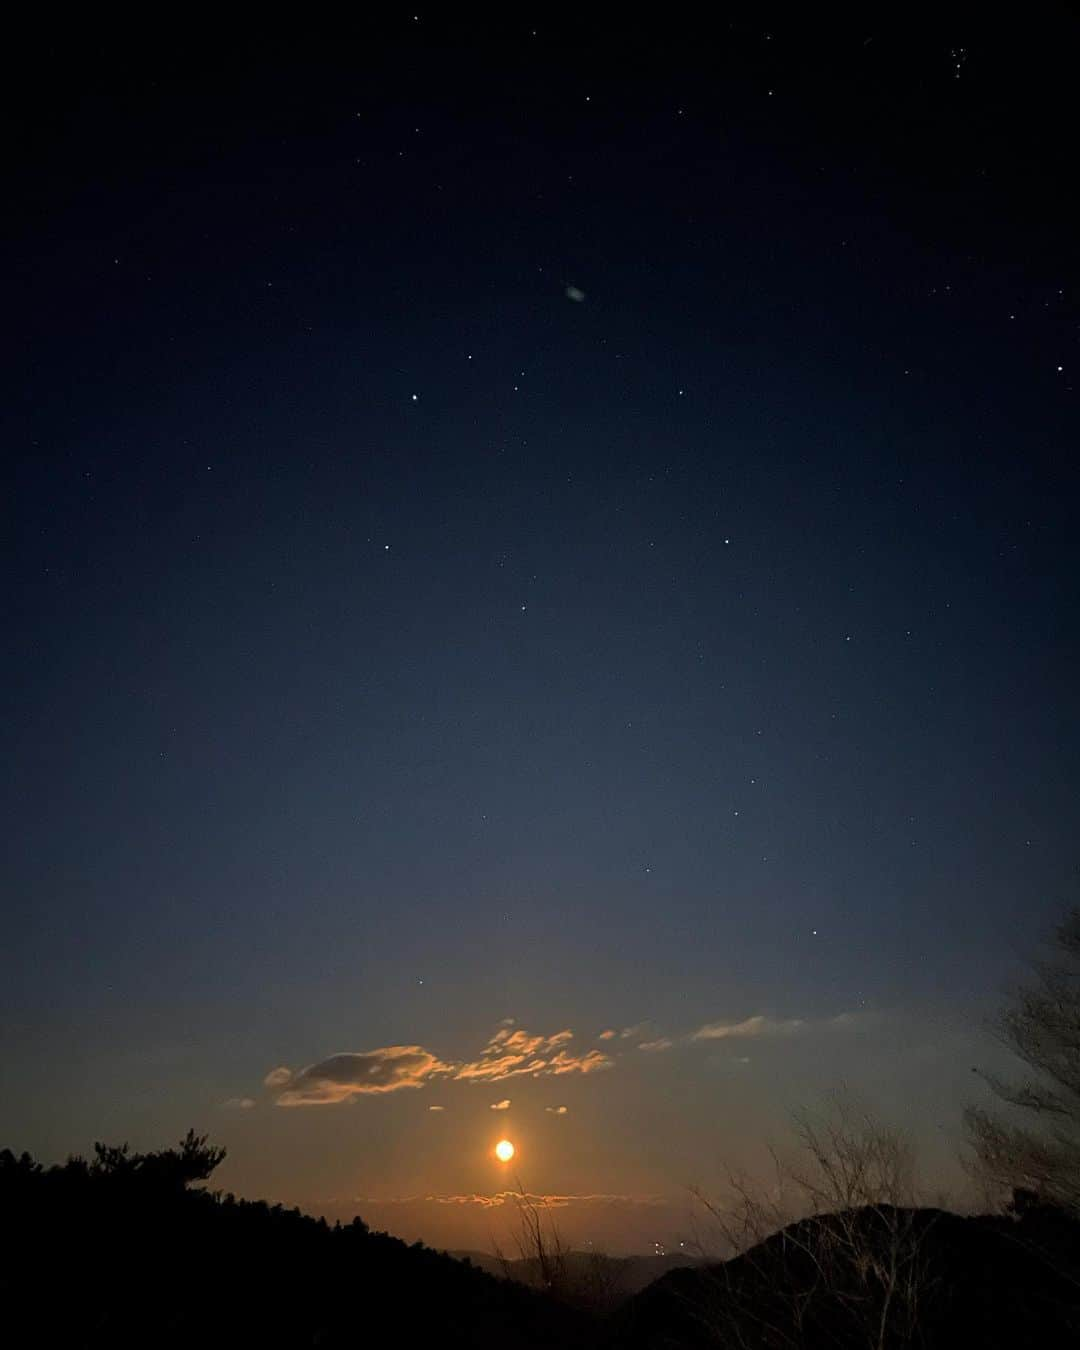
[
  {"x": 881, "y": 1275},
  {"x": 620, "y": 1276}
]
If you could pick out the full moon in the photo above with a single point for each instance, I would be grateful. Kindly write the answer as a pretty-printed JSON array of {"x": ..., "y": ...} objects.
[{"x": 504, "y": 1150}]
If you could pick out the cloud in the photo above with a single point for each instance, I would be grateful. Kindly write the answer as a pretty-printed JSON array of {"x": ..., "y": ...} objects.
[
  {"x": 512, "y": 1053},
  {"x": 501, "y": 1198},
  {"x": 751, "y": 1026},
  {"x": 238, "y": 1103},
  {"x": 504, "y": 1105},
  {"x": 556, "y": 1110},
  {"x": 590, "y": 1062},
  {"x": 484, "y": 1201},
  {"x": 366, "y": 1073},
  {"x": 436, "y": 1108},
  {"x": 575, "y": 293},
  {"x": 622, "y": 1223}
]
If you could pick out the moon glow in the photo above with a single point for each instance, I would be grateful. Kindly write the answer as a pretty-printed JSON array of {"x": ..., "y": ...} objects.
[{"x": 504, "y": 1150}]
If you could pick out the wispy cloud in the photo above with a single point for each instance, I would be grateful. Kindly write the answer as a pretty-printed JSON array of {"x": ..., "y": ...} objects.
[
  {"x": 590, "y": 1062},
  {"x": 436, "y": 1108},
  {"x": 750, "y": 1026},
  {"x": 638, "y": 1029},
  {"x": 510, "y": 1053},
  {"x": 515, "y": 1197},
  {"x": 556, "y": 1110},
  {"x": 238, "y": 1103},
  {"x": 476, "y": 1220},
  {"x": 365, "y": 1073}
]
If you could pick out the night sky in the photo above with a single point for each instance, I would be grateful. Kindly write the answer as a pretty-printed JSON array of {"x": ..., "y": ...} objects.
[{"x": 540, "y": 568}]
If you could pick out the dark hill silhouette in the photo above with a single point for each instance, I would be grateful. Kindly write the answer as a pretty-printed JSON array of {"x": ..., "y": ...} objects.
[
  {"x": 593, "y": 1280},
  {"x": 129, "y": 1250},
  {"x": 987, "y": 1281},
  {"x": 125, "y": 1250}
]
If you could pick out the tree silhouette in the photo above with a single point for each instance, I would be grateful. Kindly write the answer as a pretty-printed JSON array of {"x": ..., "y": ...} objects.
[
  {"x": 127, "y": 1249},
  {"x": 1042, "y": 1027},
  {"x": 170, "y": 1168}
]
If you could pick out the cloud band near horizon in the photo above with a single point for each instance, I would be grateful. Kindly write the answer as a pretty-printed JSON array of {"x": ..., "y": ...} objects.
[{"x": 510, "y": 1052}]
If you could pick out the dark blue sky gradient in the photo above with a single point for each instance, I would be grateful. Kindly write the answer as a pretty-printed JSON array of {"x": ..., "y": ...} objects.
[{"x": 702, "y": 649}]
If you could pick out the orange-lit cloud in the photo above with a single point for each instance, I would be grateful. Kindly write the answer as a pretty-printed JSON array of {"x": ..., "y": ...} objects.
[
  {"x": 556, "y": 1110},
  {"x": 501, "y": 1198},
  {"x": 590, "y": 1062},
  {"x": 436, "y": 1108},
  {"x": 612, "y": 1222},
  {"x": 367, "y": 1073},
  {"x": 509, "y": 1054}
]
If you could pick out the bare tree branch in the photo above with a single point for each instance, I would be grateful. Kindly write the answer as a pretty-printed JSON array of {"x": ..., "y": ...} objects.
[{"x": 1042, "y": 1028}]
